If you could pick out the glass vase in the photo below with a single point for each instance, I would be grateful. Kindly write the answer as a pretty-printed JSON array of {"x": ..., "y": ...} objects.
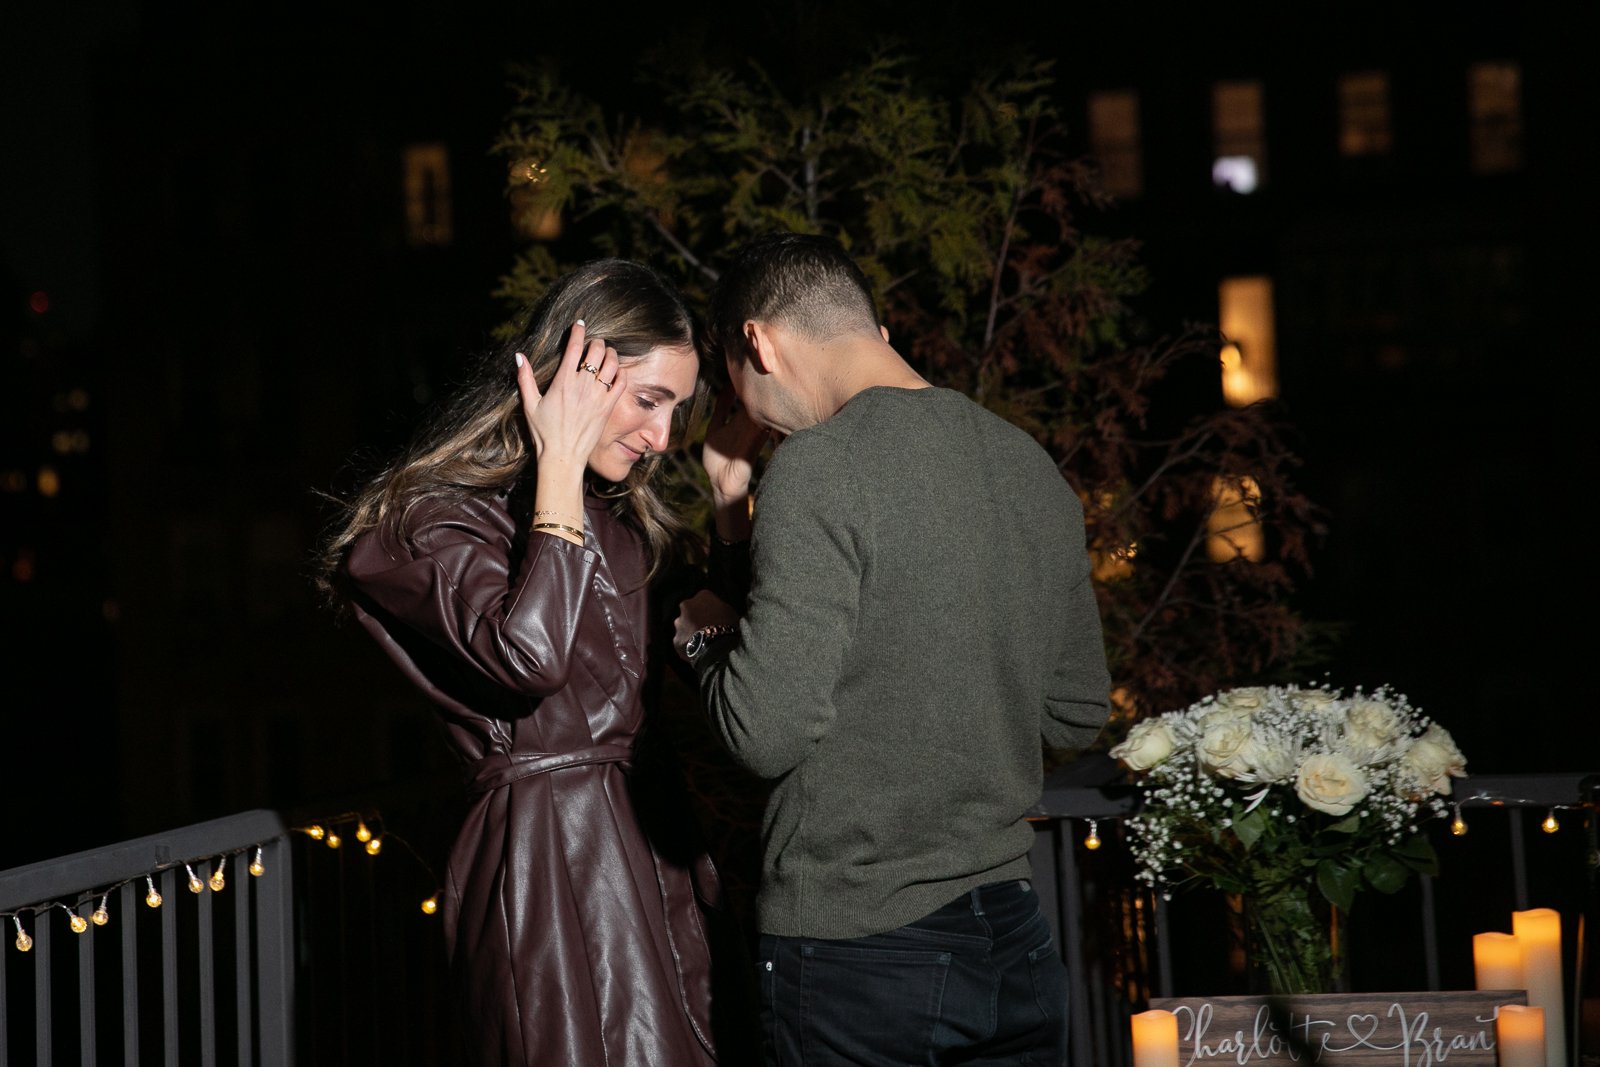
[{"x": 1292, "y": 940}]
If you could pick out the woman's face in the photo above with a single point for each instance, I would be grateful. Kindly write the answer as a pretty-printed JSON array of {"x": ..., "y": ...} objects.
[{"x": 653, "y": 386}]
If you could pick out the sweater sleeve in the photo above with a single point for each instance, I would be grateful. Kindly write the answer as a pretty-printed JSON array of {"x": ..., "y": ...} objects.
[
  {"x": 456, "y": 584},
  {"x": 770, "y": 699},
  {"x": 1077, "y": 701}
]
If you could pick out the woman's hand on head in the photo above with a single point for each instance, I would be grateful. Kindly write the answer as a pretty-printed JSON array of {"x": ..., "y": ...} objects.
[{"x": 567, "y": 419}]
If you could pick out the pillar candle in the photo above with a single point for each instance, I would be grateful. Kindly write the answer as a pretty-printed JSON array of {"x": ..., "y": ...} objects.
[
  {"x": 1539, "y": 936},
  {"x": 1497, "y": 961},
  {"x": 1155, "y": 1039},
  {"x": 1519, "y": 1036}
]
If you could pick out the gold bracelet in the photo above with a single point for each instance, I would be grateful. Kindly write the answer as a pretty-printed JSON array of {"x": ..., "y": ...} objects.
[{"x": 558, "y": 526}]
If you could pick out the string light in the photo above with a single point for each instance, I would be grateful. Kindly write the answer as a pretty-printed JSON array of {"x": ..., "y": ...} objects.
[
  {"x": 1092, "y": 842},
  {"x": 373, "y": 841},
  {"x": 1550, "y": 825},
  {"x": 1458, "y": 825}
]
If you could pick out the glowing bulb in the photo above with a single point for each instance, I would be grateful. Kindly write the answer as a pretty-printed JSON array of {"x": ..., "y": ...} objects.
[
  {"x": 1092, "y": 842},
  {"x": 217, "y": 881},
  {"x": 362, "y": 833},
  {"x": 1458, "y": 825},
  {"x": 101, "y": 916},
  {"x": 333, "y": 840},
  {"x": 1550, "y": 825},
  {"x": 24, "y": 942},
  {"x": 152, "y": 898},
  {"x": 195, "y": 884},
  {"x": 375, "y": 846},
  {"x": 316, "y": 833},
  {"x": 79, "y": 923},
  {"x": 430, "y": 905},
  {"x": 256, "y": 867}
]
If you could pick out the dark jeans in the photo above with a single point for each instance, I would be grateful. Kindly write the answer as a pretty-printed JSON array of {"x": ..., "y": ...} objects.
[{"x": 976, "y": 982}]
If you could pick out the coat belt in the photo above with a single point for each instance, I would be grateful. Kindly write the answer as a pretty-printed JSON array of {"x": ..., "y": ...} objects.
[{"x": 503, "y": 768}]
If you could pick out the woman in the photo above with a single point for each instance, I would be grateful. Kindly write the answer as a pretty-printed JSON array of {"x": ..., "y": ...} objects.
[{"x": 502, "y": 563}]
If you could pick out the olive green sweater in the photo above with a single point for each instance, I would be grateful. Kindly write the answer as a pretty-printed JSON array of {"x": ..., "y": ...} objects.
[{"x": 920, "y": 619}]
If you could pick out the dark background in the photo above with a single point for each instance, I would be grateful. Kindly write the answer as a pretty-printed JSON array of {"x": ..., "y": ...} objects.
[{"x": 208, "y": 291}]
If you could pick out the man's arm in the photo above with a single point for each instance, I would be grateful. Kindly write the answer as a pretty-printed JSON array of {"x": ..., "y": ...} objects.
[
  {"x": 769, "y": 694},
  {"x": 1077, "y": 701}
]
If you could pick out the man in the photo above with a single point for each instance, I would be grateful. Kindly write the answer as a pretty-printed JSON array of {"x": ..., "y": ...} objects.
[{"x": 919, "y": 618}]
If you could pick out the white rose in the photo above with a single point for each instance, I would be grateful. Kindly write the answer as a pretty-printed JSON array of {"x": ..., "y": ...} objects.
[
  {"x": 1223, "y": 748},
  {"x": 1433, "y": 759},
  {"x": 1371, "y": 727},
  {"x": 1331, "y": 783},
  {"x": 1312, "y": 699},
  {"x": 1222, "y": 714},
  {"x": 1248, "y": 698},
  {"x": 1147, "y": 744}
]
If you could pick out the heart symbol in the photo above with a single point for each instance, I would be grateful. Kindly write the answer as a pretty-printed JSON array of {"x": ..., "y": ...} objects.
[{"x": 1369, "y": 1021}]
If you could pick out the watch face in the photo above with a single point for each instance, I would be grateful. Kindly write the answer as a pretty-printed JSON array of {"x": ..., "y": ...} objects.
[{"x": 697, "y": 641}]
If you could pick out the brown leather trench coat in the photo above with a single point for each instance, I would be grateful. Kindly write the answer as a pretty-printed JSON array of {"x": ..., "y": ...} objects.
[{"x": 575, "y": 936}]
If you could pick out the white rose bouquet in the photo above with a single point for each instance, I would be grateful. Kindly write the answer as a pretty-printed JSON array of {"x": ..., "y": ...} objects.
[{"x": 1283, "y": 795}]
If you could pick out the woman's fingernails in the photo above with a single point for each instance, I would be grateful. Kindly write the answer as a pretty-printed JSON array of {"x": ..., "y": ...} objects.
[
  {"x": 520, "y": 360},
  {"x": 578, "y": 323}
]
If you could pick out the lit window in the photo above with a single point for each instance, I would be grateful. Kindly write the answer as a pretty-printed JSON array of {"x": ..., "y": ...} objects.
[
  {"x": 1234, "y": 531},
  {"x": 1238, "y": 130},
  {"x": 1249, "y": 352},
  {"x": 1364, "y": 123},
  {"x": 1494, "y": 103},
  {"x": 1114, "y": 141},
  {"x": 427, "y": 185}
]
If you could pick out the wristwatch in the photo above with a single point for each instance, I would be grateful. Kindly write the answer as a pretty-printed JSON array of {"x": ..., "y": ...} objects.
[{"x": 700, "y": 638}]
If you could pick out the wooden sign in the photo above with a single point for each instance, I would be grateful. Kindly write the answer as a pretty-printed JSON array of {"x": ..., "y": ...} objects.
[{"x": 1451, "y": 1029}]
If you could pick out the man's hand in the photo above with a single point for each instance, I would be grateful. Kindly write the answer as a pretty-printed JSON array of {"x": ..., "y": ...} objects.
[
  {"x": 703, "y": 609},
  {"x": 733, "y": 443}
]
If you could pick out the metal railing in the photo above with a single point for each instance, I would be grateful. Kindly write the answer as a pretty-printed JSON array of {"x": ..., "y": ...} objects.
[
  {"x": 123, "y": 961},
  {"x": 325, "y": 956}
]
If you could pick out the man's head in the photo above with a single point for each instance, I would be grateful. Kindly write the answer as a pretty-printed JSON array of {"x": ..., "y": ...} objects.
[{"x": 804, "y": 283}]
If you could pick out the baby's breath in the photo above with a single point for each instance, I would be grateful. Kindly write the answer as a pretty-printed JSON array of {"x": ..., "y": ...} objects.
[{"x": 1250, "y": 789}]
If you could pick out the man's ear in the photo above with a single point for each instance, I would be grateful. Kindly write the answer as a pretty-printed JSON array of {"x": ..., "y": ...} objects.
[{"x": 762, "y": 345}]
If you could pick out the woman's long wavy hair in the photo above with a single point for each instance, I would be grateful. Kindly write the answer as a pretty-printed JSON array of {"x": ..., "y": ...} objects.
[{"x": 477, "y": 442}]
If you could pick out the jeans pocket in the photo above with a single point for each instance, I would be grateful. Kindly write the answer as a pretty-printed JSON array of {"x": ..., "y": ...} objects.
[
  {"x": 1049, "y": 980},
  {"x": 868, "y": 1004}
]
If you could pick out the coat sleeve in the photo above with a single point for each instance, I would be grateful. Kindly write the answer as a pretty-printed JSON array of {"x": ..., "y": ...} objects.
[
  {"x": 456, "y": 582},
  {"x": 770, "y": 699}
]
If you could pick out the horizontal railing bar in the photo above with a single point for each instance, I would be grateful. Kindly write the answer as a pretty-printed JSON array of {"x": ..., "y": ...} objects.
[{"x": 90, "y": 869}]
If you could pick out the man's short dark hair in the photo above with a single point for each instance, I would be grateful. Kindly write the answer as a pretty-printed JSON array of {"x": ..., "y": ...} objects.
[{"x": 806, "y": 283}]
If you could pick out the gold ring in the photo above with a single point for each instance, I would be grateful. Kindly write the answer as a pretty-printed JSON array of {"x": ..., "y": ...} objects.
[
  {"x": 591, "y": 368},
  {"x": 606, "y": 384}
]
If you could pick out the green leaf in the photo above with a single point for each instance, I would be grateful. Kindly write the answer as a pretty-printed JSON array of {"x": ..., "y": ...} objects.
[
  {"x": 1338, "y": 883},
  {"x": 1249, "y": 828},
  {"x": 1385, "y": 873},
  {"x": 1347, "y": 825},
  {"x": 1417, "y": 853}
]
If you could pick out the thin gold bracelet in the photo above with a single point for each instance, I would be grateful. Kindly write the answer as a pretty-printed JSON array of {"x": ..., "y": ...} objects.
[
  {"x": 558, "y": 514},
  {"x": 558, "y": 526}
]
